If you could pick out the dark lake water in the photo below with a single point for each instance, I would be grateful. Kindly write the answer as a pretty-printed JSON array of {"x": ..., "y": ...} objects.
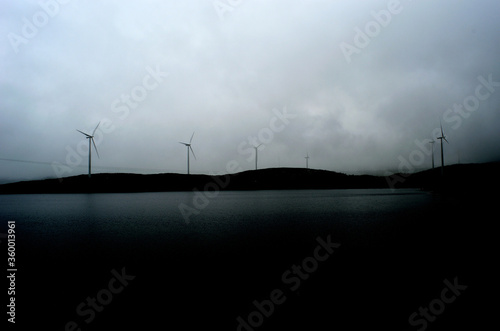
[
  {"x": 200, "y": 261},
  {"x": 170, "y": 215}
]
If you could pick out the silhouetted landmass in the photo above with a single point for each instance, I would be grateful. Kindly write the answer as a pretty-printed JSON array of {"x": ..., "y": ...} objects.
[
  {"x": 387, "y": 267},
  {"x": 457, "y": 178}
]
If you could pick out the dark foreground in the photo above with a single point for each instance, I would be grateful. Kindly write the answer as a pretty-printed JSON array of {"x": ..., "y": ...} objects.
[{"x": 374, "y": 280}]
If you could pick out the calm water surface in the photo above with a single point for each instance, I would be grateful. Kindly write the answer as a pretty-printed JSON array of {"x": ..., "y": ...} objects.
[
  {"x": 139, "y": 216},
  {"x": 205, "y": 270}
]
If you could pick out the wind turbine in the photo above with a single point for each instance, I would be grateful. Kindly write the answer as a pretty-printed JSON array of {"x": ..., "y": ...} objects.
[
  {"x": 443, "y": 137},
  {"x": 432, "y": 144},
  {"x": 307, "y": 161},
  {"x": 256, "y": 153},
  {"x": 189, "y": 148},
  {"x": 91, "y": 141}
]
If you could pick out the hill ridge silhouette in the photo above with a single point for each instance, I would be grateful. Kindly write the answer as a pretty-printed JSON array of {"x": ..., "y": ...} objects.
[{"x": 460, "y": 176}]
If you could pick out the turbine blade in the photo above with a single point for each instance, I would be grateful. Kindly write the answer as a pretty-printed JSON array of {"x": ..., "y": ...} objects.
[
  {"x": 183, "y": 143},
  {"x": 95, "y": 128},
  {"x": 445, "y": 140},
  {"x": 442, "y": 134},
  {"x": 95, "y": 148},
  {"x": 88, "y": 136},
  {"x": 191, "y": 148},
  {"x": 191, "y": 138}
]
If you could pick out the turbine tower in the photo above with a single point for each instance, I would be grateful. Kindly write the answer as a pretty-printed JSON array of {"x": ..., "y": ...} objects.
[
  {"x": 443, "y": 137},
  {"x": 432, "y": 144},
  {"x": 256, "y": 154},
  {"x": 188, "y": 145},
  {"x": 91, "y": 141},
  {"x": 307, "y": 161}
]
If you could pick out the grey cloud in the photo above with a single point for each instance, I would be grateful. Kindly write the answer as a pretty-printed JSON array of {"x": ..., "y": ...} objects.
[{"x": 225, "y": 77}]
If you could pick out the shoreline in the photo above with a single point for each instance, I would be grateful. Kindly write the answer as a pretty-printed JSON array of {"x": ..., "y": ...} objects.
[{"x": 458, "y": 178}]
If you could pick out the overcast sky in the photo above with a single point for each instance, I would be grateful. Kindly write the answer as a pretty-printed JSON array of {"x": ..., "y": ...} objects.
[{"x": 360, "y": 86}]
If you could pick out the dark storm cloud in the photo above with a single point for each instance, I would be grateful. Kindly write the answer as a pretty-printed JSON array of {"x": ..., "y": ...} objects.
[{"x": 154, "y": 72}]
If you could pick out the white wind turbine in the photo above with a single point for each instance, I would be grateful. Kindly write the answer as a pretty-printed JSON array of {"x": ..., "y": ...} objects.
[
  {"x": 188, "y": 145},
  {"x": 432, "y": 151},
  {"x": 256, "y": 154},
  {"x": 307, "y": 161},
  {"x": 443, "y": 137},
  {"x": 91, "y": 141}
]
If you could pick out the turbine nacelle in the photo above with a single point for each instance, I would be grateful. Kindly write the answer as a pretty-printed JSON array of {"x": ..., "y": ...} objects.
[
  {"x": 91, "y": 139},
  {"x": 443, "y": 138},
  {"x": 188, "y": 145},
  {"x": 86, "y": 134},
  {"x": 442, "y": 135}
]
